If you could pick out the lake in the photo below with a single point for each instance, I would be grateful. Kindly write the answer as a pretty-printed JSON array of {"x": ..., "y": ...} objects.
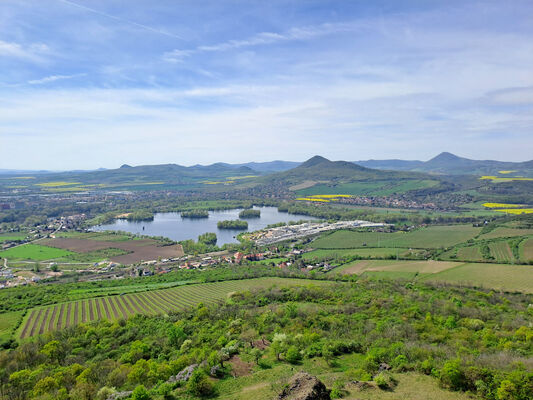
[{"x": 173, "y": 226}]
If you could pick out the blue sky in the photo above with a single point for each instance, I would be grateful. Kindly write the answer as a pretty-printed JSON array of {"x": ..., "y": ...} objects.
[{"x": 88, "y": 84}]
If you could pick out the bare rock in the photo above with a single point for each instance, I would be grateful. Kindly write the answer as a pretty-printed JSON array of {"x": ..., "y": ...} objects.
[
  {"x": 304, "y": 386},
  {"x": 184, "y": 374}
]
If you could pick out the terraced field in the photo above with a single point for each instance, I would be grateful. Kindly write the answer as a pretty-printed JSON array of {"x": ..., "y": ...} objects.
[{"x": 44, "y": 319}]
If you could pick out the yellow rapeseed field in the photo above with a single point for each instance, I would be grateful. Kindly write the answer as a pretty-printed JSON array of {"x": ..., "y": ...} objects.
[
  {"x": 516, "y": 211},
  {"x": 502, "y": 205},
  {"x": 57, "y": 184}
]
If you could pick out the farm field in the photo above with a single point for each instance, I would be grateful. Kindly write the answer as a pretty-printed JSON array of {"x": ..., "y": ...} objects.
[
  {"x": 6, "y": 237},
  {"x": 526, "y": 250},
  {"x": 378, "y": 252},
  {"x": 34, "y": 252},
  {"x": 506, "y": 232},
  {"x": 7, "y": 322},
  {"x": 501, "y": 251},
  {"x": 125, "y": 252},
  {"x": 430, "y": 237},
  {"x": 43, "y": 319},
  {"x": 492, "y": 276},
  {"x": 400, "y": 266},
  {"x": 377, "y": 188},
  {"x": 470, "y": 253}
]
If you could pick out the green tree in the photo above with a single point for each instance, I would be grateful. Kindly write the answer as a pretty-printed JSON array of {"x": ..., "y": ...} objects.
[
  {"x": 199, "y": 385},
  {"x": 140, "y": 393}
]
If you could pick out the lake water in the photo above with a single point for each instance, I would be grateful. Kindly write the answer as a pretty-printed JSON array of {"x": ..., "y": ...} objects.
[{"x": 173, "y": 226}]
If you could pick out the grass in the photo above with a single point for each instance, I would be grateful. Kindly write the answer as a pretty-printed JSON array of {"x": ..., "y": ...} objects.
[
  {"x": 401, "y": 266},
  {"x": 94, "y": 256},
  {"x": 34, "y": 252},
  {"x": 506, "y": 232},
  {"x": 7, "y": 237},
  {"x": 375, "y": 252},
  {"x": 493, "y": 276},
  {"x": 39, "y": 319},
  {"x": 103, "y": 236},
  {"x": 430, "y": 237},
  {"x": 8, "y": 322},
  {"x": 267, "y": 383}
]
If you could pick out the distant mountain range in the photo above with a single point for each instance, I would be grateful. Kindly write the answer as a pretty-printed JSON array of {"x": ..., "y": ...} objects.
[
  {"x": 450, "y": 164},
  {"x": 444, "y": 164}
]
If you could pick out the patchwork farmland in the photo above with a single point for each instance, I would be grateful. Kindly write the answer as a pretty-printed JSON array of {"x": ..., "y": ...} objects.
[
  {"x": 136, "y": 250},
  {"x": 40, "y": 320}
]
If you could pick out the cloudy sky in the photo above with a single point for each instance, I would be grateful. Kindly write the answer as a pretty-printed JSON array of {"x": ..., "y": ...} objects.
[{"x": 99, "y": 83}]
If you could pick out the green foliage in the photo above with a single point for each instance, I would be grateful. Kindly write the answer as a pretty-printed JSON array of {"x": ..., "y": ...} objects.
[
  {"x": 354, "y": 326},
  {"x": 208, "y": 238},
  {"x": 199, "y": 385},
  {"x": 250, "y": 213},
  {"x": 232, "y": 224},
  {"x": 293, "y": 355},
  {"x": 195, "y": 214},
  {"x": 140, "y": 393}
]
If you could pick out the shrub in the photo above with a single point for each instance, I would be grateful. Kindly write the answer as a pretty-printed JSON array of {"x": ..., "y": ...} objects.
[
  {"x": 293, "y": 355},
  {"x": 385, "y": 381},
  {"x": 140, "y": 393},
  {"x": 452, "y": 376},
  {"x": 199, "y": 385}
]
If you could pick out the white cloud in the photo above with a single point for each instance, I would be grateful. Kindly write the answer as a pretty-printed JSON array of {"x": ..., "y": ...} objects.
[
  {"x": 53, "y": 78},
  {"x": 34, "y": 52}
]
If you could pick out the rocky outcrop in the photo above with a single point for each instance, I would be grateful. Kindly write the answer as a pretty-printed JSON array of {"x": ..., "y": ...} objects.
[
  {"x": 304, "y": 386},
  {"x": 184, "y": 374}
]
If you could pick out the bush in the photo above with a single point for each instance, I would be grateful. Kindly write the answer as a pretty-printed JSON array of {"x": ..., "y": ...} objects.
[
  {"x": 293, "y": 355},
  {"x": 199, "y": 385},
  {"x": 452, "y": 376},
  {"x": 385, "y": 381},
  {"x": 140, "y": 393}
]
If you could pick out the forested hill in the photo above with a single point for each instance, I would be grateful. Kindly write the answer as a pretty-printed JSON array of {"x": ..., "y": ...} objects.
[
  {"x": 323, "y": 170},
  {"x": 450, "y": 164}
]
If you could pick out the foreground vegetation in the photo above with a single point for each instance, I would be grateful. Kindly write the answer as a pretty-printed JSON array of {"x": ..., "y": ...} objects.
[{"x": 467, "y": 340}]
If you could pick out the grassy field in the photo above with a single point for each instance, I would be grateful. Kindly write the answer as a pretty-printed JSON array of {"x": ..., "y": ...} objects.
[
  {"x": 401, "y": 266},
  {"x": 7, "y": 237},
  {"x": 430, "y": 237},
  {"x": 43, "y": 319},
  {"x": 375, "y": 252},
  {"x": 506, "y": 232},
  {"x": 493, "y": 276},
  {"x": 34, "y": 252},
  {"x": 7, "y": 322},
  {"x": 104, "y": 236}
]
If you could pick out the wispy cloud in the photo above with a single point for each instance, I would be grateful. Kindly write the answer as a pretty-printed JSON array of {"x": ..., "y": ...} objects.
[
  {"x": 123, "y": 20},
  {"x": 53, "y": 78},
  {"x": 34, "y": 52},
  {"x": 265, "y": 38}
]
